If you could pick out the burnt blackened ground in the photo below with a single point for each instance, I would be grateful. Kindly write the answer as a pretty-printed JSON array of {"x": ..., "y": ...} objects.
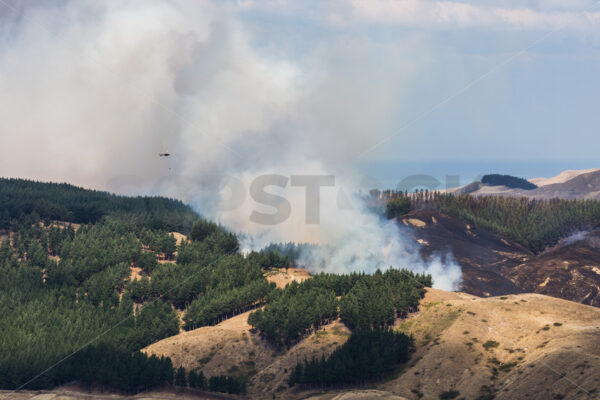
[{"x": 493, "y": 265}]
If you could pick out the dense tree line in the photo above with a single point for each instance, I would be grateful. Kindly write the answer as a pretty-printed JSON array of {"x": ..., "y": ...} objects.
[
  {"x": 115, "y": 367},
  {"x": 291, "y": 251},
  {"x": 397, "y": 207},
  {"x": 268, "y": 259},
  {"x": 51, "y": 308},
  {"x": 196, "y": 379},
  {"x": 217, "y": 304},
  {"x": 376, "y": 300},
  {"x": 20, "y": 198},
  {"x": 294, "y": 312},
  {"x": 508, "y": 181},
  {"x": 210, "y": 280},
  {"x": 159, "y": 241},
  {"x": 195, "y": 251},
  {"x": 366, "y": 301},
  {"x": 217, "y": 383},
  {"x": 535, "y": 224},
  {"x": 94, "y": 249},
  {"x": 368, "y": 355},
  {"x": 226, "y": 384},
  {"x": 210, "y": 283},
  {"x": 98, "y": 364},
  {"x": 63, "y": 288}
]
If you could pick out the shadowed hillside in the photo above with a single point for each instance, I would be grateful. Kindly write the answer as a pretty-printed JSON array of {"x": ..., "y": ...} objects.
[{"x": 493, "y": 265}]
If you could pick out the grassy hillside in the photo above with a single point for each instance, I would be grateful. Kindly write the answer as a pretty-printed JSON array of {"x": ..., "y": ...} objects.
[
  {"x": 524, "y": 346},
  {"x": 505, "y": 347}
]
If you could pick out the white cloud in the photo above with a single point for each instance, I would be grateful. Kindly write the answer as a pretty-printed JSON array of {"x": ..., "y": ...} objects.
[{"x": 448, "y": 14}]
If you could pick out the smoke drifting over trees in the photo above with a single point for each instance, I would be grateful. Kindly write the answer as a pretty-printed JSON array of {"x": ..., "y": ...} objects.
[{"x": 103, "y": 88}]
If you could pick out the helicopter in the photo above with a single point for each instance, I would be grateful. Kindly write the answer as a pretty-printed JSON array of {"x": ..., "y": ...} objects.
[{"x": 164, "y": 154}]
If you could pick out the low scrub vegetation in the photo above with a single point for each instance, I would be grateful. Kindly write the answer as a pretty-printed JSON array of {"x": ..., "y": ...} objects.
[{"x": 490, "y": 344}]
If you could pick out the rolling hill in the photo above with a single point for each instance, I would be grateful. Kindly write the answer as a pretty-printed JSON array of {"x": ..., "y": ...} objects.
[
  {"x": 502, "y": 336},
  {"x": 562, "y": 177},
  {"x": 513, "y": 344},
  {"x": 493, "y": 265},
  {"x": 507, "y": 347},
  {"x": 572, "y": 184}
]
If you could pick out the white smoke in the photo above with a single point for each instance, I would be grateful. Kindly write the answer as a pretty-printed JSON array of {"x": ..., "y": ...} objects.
[
  {"x": 91, "y": 92},
  {"x": 381, "y": 244}
]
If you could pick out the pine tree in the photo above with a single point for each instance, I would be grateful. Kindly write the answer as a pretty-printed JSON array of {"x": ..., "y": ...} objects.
[
  {"x": 200, "y": 380},
  {"x": 180, "y": 377},
  {"x": 192, "y": 379}
]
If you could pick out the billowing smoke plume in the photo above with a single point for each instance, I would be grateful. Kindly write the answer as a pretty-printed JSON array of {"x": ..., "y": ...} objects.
[{"x": 91, "y": 92}]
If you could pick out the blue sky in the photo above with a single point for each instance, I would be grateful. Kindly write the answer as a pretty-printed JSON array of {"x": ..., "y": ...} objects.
[{"x": 494, "y": 81}]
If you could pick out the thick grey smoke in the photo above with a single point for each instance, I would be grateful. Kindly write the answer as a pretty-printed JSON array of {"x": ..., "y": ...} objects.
[{"x": 91, "y": 92}]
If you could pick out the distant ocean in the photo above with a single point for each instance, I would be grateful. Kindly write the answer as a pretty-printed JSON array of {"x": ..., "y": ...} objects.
[{"x": 415, "y": 175}]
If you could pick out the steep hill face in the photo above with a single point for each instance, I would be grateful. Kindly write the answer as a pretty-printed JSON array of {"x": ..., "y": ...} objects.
[
  {"x": 480, "y": 253},
  {"x": 570, "y": 270},
  {"x": 493, "y": 265}
]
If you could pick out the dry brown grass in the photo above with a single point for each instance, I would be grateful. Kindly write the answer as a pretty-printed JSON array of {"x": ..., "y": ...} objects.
[
  {"x": 179, "y": 237},
  {"x": 358, "y": 395},
  {"x": 232, "y": 348},
  {"x": 135, "y": 273},
  {"x": 515, "y": 344},
  {"x": 522, "y": 346},
  {"x": 282, "y": 277}
]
